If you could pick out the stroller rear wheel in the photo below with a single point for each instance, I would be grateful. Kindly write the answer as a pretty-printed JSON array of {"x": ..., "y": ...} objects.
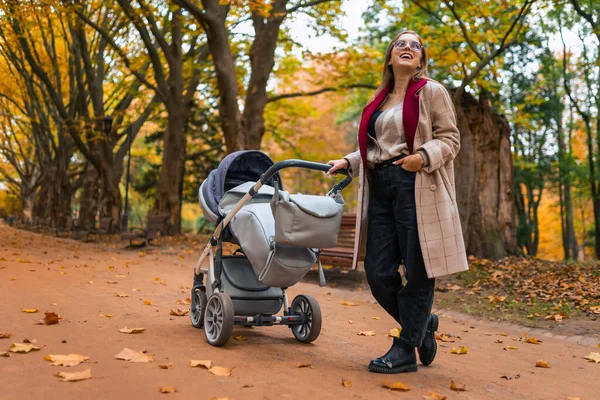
[
  {"x": 197, "y": 307},
  {"x": 218, "y": 319},
  {"x": 308, "y": 307}
]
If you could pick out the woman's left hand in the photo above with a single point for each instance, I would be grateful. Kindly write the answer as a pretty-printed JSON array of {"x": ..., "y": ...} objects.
[{"x": 412, "y": 163}]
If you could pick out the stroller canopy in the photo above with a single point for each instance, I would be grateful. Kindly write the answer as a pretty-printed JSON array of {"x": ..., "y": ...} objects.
[{"x": 236, "y": 168}]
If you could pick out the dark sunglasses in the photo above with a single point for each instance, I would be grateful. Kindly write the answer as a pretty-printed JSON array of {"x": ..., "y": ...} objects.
[{"x": 414, "y": 46}]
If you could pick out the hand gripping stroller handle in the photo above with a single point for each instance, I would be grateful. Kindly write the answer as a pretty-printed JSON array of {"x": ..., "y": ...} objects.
[{"x": 300, "y": 164}]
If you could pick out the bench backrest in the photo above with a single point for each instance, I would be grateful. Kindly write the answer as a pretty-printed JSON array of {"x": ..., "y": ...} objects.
[
  {"x": 347, "y": 231},
  {"x": 105, "y": 224},
  {"x": 156, "y": 224}
]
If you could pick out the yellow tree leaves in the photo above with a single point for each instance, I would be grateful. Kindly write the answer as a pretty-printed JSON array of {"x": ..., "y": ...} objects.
[{"x": 69, "y": 360}]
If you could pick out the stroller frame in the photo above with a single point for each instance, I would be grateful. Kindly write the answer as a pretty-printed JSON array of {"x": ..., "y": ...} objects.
[{"x": 212, "y": 308}]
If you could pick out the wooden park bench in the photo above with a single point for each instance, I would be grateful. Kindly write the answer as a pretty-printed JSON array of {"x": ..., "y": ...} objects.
[
  {"x": 104, "y": 228},
  {"x": 156, "y": 226},
  {"x": 342, "y": 254}
]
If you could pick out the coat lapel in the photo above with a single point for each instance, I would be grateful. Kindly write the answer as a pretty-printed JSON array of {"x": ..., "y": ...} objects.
[{"x": 410, "y": 116}]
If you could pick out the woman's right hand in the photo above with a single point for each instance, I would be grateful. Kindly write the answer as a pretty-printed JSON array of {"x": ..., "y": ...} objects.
[{"x": 337, "y": 164}]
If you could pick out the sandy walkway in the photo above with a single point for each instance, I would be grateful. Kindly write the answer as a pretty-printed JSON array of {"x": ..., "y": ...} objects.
[{"x": 55, "y": 275}]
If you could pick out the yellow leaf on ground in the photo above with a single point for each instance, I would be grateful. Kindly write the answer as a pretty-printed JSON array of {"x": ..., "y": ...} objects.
[
  {"x": 542, "y": 364},
  {"x": 31, "y": 310},
  {"x": 366, "y": 333},
  {"x": 178, "y": 312},
  {"x": 348, "y": 303},
  {"x": 166, "y": 366},
  {"x": 240, "y": 338},
  {"x": 22, "y": 348},
  {"x": 111, "y": 268},
  {"x": 511, "y": 347},
  {"x": 4, "y": 354},
  {"x": 533, "y": 340},
  {"x": 346, "y": 383},
  {"x": 303, "y": 365},
  {"x": 220, "y": 371},
  {"x": 201, "y": 363},
  {"x": 503, "y": 334},
  {"x": 132, "y": 330},
  {"x": 32, "y": 341},
  {"x": 141, "y": 254},
  {"x": 377, "y": 319},
  {"x": 75, "y": 376},
  {"x": 460, "y": 350},
  {"x": 133, "y": 356},
  {"x": 123, "y": 295},
  {"x": 147, "y": 302},
  {"x": 445, "y": 338},
  {"x": 167, "y": 389},
  {"x": 593, "y": 357},
  {"x": 51, "y": 318},
  {"x": 69, "y": 360},
  {"x": 396, "y": 386},
  {"x": 434, "y": 396},
  {"x": 395, "y": 332},
  {"x": 453, "y": 386},
  {"x": 5, "y": 335},
  {"x": 105, "y": 315}
]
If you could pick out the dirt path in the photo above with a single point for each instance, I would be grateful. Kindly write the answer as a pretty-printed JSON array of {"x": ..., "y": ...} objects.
[{"x": 54, "y": 275}]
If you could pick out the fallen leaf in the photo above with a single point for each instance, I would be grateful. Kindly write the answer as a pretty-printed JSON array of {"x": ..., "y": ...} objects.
[
  {"x": 366, "y": 333},
  {"x": 91, "y": 282},
  {"x": 167, "y": 389},
  {"x": 147, "y": 302},
  {"x": 346, "y": 383},
  {"x": 69, "y": 360},
  {"x": 105, "y": 315},
  {"x": 503, "y": 334},
  {"x": 5, "y": 335},
  {"x": 185, "y": 302},
  {"x": 166, "y": 366},
  {"x": 395, "y": 332},
  {"x": 348, "y": 303},
  {"x": 396, "y": 386},
  {"x": 31, "y": 310},
  {"x": 303, "y": 365},
  {"x": 23, "y": 261},
  {"x": 542, "y": 364},
  {"x": 593, "y": 357},
  {"x": 133, "y": 356},
  {"x": 22, "y": 348},
  {"x": 377, "y": 319},
  {"x": 498, "y": 341},
  {"x": 74, "y": 376},
  {"x": 156, "y": 278},
  {"x": 532, "y": 340},
  {"x": 132, "y": 330},
  {"x": 453, "y": 386},
  {"x": 454, "y": 287},
  {"x": 178, "y": 312},
  {"x": 511, "y": 347},
  {"x": 32, "y": 341},
  {"x": 461, "y": 350},
  {"x": 111, "y": 268},
  {"x": 434, "y": 396},
  {"x": 141, "y": 254},
  {"x": 51, "y": 318},
  {"x": 350, "y": 321},
  {"x": 200, "y": 363},
  {"x": 573, "y": 398},
  {"x": 4, "y": 354},
  {"x": 220, "y": 371},
  {"x": 123, "y": 295},
  {"x": 112, "y": 282},
  {"x": 444, "y": 338},
  {"x": 240, "y": 338}
]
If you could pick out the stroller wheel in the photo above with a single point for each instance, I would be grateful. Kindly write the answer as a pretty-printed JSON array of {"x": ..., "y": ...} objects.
[
  {"x": 218, "y": 319},
  {"x": 197, "y": 307},
  {"x": 307, "y": 306}
]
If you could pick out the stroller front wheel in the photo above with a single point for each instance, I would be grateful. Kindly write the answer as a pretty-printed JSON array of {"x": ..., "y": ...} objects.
[
  {"x": 218, "y": 319},
  {"x": 308, "y": 307},
  {"x": 197, "y": 307}
]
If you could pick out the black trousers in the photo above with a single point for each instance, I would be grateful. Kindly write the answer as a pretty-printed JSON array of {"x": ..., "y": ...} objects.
[{"x": 392, "y": 237}]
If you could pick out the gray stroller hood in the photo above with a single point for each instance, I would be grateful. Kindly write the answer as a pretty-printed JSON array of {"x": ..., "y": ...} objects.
[{"x": 236, "y": 168}]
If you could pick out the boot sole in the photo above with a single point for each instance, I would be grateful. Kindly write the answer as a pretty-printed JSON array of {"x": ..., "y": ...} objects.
[
  {"x": 396, "y": 370},
  {"x": 434, "y": 329}
]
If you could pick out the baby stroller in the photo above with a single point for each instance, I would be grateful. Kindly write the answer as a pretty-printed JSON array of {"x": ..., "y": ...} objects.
[{"x": 279, "y": 236}]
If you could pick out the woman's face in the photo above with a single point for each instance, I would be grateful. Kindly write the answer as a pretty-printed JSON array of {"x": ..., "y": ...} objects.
[{"x": 406, "y": 53}]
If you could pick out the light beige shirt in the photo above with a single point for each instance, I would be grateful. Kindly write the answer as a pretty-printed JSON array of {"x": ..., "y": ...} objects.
[{"x": 390, "y": 141}]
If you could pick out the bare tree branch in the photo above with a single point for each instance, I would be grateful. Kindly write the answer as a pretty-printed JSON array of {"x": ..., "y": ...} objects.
[{"x": 320, "y": 91}]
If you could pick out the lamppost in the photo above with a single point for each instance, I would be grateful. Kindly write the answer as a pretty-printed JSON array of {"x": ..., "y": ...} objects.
[{"x": 125, "y": 220}]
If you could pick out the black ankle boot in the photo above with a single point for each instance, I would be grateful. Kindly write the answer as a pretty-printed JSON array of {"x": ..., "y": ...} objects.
[
  {"x": 400, "y": 358},
  {"x": 428, "y": 349}
]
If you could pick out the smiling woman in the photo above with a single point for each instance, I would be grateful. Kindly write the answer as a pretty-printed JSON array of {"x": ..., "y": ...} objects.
[{"x": 408, "y": 140}]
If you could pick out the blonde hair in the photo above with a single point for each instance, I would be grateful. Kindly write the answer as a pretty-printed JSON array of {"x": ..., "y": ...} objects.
[{"x": 387, "y": 79}]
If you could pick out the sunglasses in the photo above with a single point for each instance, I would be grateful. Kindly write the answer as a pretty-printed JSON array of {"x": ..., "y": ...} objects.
[{"x": 414, "y": 46}]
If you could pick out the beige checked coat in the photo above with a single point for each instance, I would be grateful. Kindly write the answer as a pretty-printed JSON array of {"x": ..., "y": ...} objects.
[{"x": 429, "y": 117}]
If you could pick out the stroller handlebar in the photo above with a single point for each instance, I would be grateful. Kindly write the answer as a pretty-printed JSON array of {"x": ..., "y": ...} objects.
[{"x": 308, "y": 165}]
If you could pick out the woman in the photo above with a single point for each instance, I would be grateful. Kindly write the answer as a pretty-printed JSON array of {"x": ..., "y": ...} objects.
[{"x": 408, "y": 140}]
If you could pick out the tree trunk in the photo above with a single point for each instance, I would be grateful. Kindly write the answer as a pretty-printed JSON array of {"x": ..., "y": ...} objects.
[
  {"x": 484, "y": 183},
  {"x": 88, "y": 204}
]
